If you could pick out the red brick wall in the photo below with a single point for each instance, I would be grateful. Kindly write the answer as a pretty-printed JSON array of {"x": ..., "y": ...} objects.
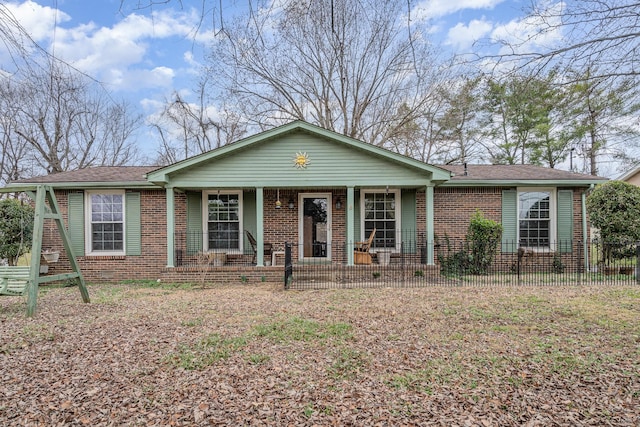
[
  {"x": 118, "y": 268},
  {"x": 453, "y": 208},
  {"x": 281, "y": 225}
]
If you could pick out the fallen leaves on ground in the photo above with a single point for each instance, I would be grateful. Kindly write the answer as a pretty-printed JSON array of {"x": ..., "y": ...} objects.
[{"x": 245, "y": 355}]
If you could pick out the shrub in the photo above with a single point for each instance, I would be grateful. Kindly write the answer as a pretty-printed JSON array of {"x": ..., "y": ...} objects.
[
  {"x": 483, "y": 237},
  {"x": 477, "y": 253},
  {"x": 614, "y": 208},
  {"x": 16, "y": 229}
]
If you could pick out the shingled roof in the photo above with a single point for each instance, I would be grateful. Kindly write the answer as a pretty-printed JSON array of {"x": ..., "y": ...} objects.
[
  {"x": 510, "y": 172},
  {"x": 97, "y": 176}
]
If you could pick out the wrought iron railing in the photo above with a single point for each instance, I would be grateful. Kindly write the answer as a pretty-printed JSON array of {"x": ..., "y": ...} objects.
[
  {"x": 456, "y": 263},
  {"x": 412, "y": 261}
]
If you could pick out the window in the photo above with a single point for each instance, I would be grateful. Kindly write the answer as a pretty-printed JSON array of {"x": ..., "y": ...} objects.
[
  {"x": 536, "y": 226},
  {"x": 381, "y": 210},
  {"x": 105, "y": 222},
  {"x": 223, "y": 223}
]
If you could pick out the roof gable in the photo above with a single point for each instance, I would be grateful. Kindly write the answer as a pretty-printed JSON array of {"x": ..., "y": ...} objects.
[{"x": 268, "y": 159}]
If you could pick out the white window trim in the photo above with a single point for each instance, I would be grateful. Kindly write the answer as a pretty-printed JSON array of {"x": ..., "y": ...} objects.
[
  {"x": 397, "y": 193},
  {"x": 88, "y": 221},
  {"x": 205, "y": 221},
  {"x": 553, "y": 220}
]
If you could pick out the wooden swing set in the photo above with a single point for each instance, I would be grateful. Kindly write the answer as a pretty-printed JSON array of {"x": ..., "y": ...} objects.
[{"x": 21, "y": 280}]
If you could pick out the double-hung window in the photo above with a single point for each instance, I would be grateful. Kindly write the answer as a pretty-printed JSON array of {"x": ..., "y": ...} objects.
[
  {"x": 223, "y": 221},
  {"x": 381, "y": 210},
  {"x": 105, "y": 222},
  {"x": 536, "y": 218}
]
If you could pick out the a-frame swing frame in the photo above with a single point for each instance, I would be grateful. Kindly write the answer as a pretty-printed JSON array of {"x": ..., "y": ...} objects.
[{"x": 46, "y": 207}]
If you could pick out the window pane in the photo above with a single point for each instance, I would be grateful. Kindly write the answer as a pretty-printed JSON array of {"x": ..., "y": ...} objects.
[
  {"x": 107, "y": 222},
  {"x": 223, "y": 221},
  {"x": 380, "y": 214},
  {"x": 535, "y": 214}
]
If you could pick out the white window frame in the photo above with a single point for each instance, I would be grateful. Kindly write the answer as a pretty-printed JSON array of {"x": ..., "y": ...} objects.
[
  {"x": 205, "y": 221},
  {"x": 398, "y": 215},
  {"x": 88, "y": 232},
  {"x": 553, "y": 220}
]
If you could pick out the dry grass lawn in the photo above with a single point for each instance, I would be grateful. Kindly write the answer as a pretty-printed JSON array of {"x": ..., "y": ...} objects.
[{"x": 144, "y": 354}]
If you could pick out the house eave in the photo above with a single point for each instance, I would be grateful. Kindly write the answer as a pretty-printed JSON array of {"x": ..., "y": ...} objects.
[
  {"x": 134, "y": 185},
  {"x": 524, "y": 183}
]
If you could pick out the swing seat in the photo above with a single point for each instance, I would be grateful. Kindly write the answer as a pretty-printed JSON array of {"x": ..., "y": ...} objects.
[{"x": 14, "y": 279}]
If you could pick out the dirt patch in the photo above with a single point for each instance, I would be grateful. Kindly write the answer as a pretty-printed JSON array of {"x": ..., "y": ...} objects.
[{"x": 244, "y": 355}]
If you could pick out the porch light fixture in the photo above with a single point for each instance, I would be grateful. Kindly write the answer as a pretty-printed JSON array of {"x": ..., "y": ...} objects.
[
  {"x": 278, "y": 202},
  {"x": 339, "y": 204},
  {"x": 291, "y": 205}
]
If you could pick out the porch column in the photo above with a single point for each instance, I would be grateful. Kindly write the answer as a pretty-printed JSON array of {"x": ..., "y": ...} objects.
[
  {"x": 430, "y": 225},
  {"x": 350, "y": 225},
  {"x": 260, "y": 226},
  {"x": 171, "y": 226}
]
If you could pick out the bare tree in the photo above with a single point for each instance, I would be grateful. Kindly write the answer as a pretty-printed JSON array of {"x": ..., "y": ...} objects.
[
  {"x": 600, "y": 32},
  {"x": 64, "y": 123},
  {"x": 19, "y": 45},
  {"x": 344, "y": 65},
  {"x": 187, "y": 129},
  {"x": 13, "y": 156}
]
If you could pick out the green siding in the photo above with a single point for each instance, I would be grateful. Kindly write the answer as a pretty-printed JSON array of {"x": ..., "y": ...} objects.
[
  {"x": 565, "y": 220},
  {"x": 194, "y": 222},
  {"x": 270, "y": 163},
  {"x": 509, "y": 221},
  {"x": 76, "y": 222},
  {"x": 133, "y": 224},
  {"x": 248, "y": 216},
  {"x": 408, "y": 220}
]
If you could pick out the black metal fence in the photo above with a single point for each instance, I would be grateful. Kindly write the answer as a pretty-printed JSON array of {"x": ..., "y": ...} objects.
[
  {"x": 458, "y": 263},
  {"x": 414, "y": 262},
  {"x": 189, "y": 252}
]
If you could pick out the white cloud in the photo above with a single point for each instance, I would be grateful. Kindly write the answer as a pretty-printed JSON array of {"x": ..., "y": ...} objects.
[
  {"x": 122, "y": 52},
  {"x": 462, "y": 36},
  {"x": 530, "y": 34},
  {"x": 432, "y": 9},
  {"x": 39, "y": 21},
  {"x": 138, "y": 52}
]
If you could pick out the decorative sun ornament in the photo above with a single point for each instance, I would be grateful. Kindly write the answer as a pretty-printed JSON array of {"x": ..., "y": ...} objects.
[{"x": 301, "y": 160}]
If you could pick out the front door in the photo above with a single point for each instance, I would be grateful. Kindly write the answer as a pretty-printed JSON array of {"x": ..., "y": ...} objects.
[{"x": 314, "y": 216}]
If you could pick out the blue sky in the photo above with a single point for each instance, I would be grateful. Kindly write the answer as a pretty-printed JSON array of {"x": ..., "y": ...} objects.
[{"x": 144, "y": 55}]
